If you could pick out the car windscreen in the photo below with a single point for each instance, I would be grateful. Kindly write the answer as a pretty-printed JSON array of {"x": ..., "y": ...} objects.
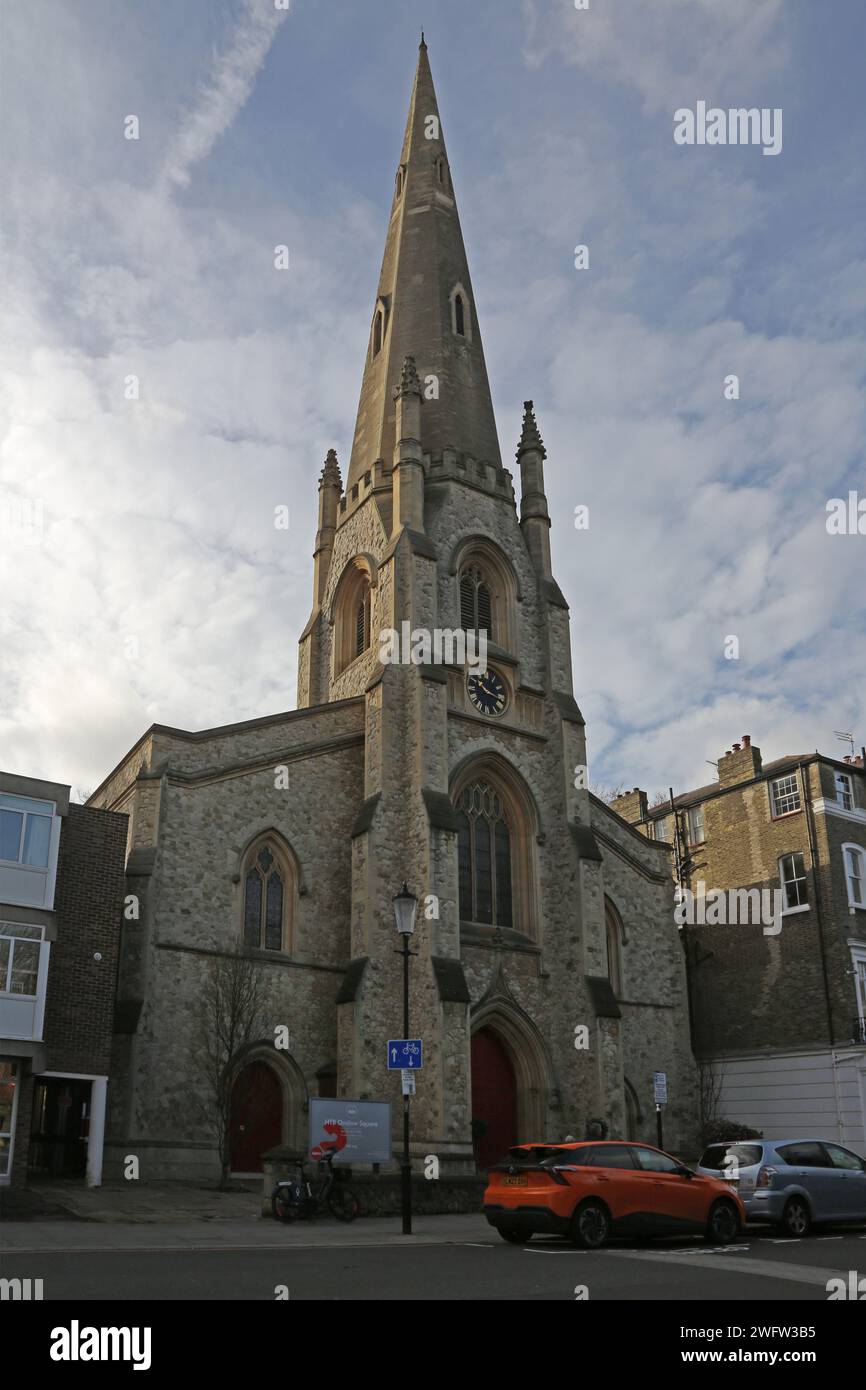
[{"x": 745, "y": 1155}]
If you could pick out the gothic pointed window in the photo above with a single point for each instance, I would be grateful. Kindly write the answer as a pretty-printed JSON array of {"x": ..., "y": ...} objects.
[
  {"x": 352, "y": 612},
  {"x": 484, "y": 857},
  {"x": 461, "y": 312},
  {"x": 476, "y": 609},
  {"x": 264, "y": 900},
  {"x": 613, "y": 942},
  {"x": 362, "y": 622},
  {"x": 378, "y": 324}
]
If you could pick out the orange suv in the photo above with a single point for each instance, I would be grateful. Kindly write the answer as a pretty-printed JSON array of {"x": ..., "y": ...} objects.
[{"x": 595, "y": 1189}]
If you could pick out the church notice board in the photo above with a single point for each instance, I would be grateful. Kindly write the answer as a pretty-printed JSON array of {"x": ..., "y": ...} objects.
[{"x": 358, "y": 1131}]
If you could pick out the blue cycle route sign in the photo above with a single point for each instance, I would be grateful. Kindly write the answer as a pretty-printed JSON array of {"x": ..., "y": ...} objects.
[{"x": 405, "y": 1053}]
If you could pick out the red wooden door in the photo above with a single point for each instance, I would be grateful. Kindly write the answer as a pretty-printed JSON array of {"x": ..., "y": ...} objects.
[
  {"x": 256, "y": 1118},
  {"x": 494, "y": 1097}
]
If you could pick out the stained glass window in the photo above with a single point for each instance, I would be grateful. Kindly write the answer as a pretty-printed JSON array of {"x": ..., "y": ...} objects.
[{"x": 263, "y": 903}]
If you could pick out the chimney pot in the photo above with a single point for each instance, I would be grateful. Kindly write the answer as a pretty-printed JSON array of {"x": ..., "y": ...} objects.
[
  {"x": 747, "y": 739},
  {"x": 736, "y": 748}
]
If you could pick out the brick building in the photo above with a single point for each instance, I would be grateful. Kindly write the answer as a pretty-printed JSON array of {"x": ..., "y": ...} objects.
[
  {"x": 779, "y": 1007},
  {"x": 542, "y": 916},
  {"x": 61, "y": 900}
]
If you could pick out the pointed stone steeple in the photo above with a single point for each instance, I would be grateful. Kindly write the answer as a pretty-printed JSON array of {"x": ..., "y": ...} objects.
[{"x": 425, "y": 307}]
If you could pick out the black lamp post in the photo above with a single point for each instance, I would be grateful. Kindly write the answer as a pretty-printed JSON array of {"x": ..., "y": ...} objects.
[{"x": 405, "y": 907}]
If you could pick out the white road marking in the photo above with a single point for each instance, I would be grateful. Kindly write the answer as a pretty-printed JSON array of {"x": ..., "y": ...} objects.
[{"x": 768, "y": 1269}]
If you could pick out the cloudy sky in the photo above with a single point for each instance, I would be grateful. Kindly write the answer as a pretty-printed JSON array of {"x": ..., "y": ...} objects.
[{"x": 142, "y": 577}]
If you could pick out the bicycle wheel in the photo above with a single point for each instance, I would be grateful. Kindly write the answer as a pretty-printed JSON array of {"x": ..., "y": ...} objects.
[{"x": 343, "y": 1203}]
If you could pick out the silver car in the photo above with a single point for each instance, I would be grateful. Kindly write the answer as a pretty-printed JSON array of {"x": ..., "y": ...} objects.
[{"x": 791, "y": 1182}]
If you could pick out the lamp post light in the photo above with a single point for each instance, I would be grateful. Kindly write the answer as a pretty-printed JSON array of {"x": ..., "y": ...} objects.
[{"x": 405, "y": 907}]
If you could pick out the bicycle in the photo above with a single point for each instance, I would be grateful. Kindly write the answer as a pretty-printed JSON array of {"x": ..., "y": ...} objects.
[{"x": 302, "y": 1198}]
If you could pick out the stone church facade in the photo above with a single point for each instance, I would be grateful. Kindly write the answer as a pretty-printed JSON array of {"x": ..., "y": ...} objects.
[{"x": 541, "y": 912}]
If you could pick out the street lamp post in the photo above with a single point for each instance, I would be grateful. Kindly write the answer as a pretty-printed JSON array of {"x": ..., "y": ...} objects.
[{"x": 405, "y": 906}]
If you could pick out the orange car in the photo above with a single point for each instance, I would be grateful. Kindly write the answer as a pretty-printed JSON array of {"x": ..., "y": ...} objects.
[{"x": 595, "y": 1189}]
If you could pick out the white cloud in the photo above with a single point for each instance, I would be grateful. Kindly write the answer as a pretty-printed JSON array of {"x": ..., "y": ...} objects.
[{"x": 226, "y": 90}]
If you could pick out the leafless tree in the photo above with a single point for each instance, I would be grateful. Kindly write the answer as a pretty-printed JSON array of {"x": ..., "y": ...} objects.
[
  {"x": 230, "y": 1006},
  {"x": 606, "y": 794}
]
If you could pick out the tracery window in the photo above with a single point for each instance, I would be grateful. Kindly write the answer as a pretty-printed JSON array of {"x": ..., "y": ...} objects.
[
  {"x": 264, "y": 899},
  {"x": 484, "y": 857}
]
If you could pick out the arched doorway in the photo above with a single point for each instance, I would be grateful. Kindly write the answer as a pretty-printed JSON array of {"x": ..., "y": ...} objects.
[
  {"x": 494, "y": 1098},
  {"x": 256, "y": 1123}
]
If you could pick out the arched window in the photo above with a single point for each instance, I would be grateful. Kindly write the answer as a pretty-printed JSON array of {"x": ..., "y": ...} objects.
[
  {"x": 362, "y": 621},
  {"x": 377, "y": 332},
  {"x": 614, "y": 936},
  {"x": 484, "y": 857},
  {"x": 268, "y": 884},
  {"x": 352, "y": 613},
  {"x": 401, "y": 174},
  {"x": 476, "y": 609},
  {"x": 461, "y": 313}
]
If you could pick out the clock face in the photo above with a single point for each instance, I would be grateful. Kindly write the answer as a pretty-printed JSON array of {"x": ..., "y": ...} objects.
[{"x": 487, "y": 692}]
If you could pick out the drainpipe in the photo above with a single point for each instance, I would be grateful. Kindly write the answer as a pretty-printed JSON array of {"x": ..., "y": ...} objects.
[{"x": 810, "y": 829}]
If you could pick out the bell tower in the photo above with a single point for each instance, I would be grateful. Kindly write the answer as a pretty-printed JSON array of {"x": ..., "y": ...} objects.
[{"x": 471, "y": 789}]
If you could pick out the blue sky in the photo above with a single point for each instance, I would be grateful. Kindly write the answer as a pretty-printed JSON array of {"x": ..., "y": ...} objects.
[{"x": 157, "y": 588}]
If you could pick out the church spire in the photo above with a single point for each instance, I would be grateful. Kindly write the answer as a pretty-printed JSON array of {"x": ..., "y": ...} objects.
[{"x": 425, "y": 307}]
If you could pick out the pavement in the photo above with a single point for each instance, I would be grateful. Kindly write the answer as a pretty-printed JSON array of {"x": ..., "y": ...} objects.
[{"x": 129, "y": 1202}]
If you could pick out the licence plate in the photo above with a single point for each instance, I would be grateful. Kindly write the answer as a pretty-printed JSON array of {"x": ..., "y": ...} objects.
[{"x": 516, "y": 1182}]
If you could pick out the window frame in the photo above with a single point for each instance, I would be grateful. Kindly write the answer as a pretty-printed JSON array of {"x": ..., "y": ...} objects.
[
  {"x": 16, "y": 871},
  {"x": 846, "y": 800},
  {"x": 692, "y": 813},
  {"x": 796, "y": 879},
  {"x": 859, "y": 853},
  {"x": 522, "y": 817},
  {"x": 493, "y": 875},
  {"x": 25, "y": 934},
  {"x": 284, "y": 864},
  {"x": 459, "y": 292},
  {"x": 356, "y": 583},
  {"x": 774, "y": 782}
]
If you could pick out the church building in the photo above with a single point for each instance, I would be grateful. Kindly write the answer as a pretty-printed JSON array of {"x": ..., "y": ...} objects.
[{"x": 548, "y": 984}]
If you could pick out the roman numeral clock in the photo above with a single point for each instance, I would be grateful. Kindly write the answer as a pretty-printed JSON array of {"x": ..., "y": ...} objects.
[{"x": 488, "y": 692}]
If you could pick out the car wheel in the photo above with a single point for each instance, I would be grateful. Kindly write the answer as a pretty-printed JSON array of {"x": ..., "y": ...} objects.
[
  {"x": 723, "y": 1225},
  {"x": 796, "y": 1218},
  {"x": 514, "y": 1235},
  {"x": 590, "y": 1226}
]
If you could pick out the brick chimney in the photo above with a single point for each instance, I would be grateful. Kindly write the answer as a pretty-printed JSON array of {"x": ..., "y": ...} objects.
[
  {"x": 630, "y": 805},
  {"x": 740, "y": 764}
]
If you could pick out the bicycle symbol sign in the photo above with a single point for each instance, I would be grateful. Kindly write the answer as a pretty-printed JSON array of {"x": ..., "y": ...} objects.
[{"x": 405, "y": 1053}]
